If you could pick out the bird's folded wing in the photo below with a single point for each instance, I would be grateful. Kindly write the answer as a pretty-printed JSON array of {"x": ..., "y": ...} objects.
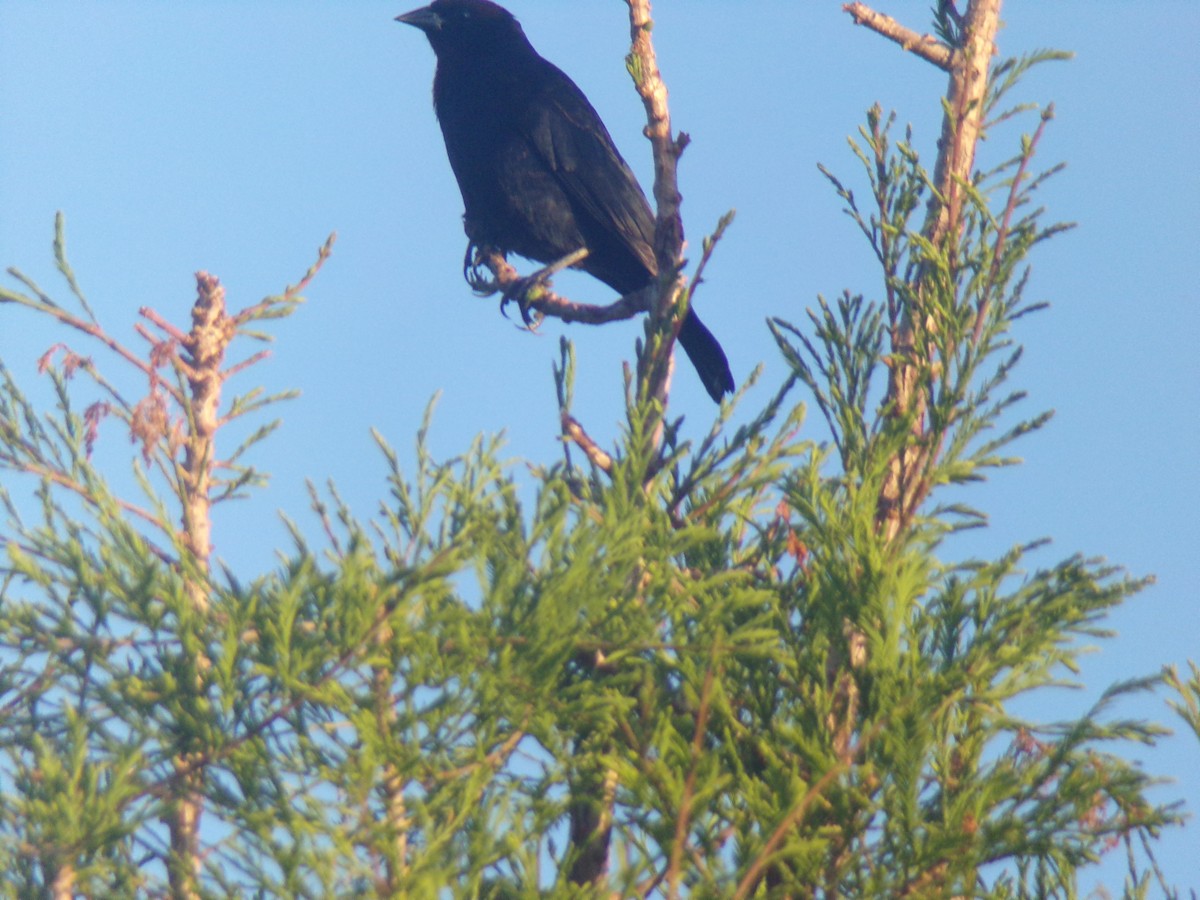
[{"x": 567, "y": 133}]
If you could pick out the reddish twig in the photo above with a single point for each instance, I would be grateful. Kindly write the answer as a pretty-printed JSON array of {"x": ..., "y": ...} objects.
[
  {"x": 683, "y": 819},
  {"x": 1014, "y": 194}
]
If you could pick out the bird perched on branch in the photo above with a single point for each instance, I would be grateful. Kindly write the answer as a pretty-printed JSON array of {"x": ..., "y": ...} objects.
[{"x": 539, "y": 173}]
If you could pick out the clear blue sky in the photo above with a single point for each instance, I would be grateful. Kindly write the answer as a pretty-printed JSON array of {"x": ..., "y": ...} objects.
[{"x": 233, "y": 137}]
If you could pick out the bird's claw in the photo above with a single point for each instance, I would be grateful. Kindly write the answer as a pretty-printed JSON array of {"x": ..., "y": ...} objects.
[
  {"x": 525, "y": 292},
  {"x": 483, "y": 281},
  {"x": 478, "y": 276}
]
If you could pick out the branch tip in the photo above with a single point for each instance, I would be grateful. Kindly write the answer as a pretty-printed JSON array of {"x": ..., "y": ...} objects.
[{"x": 925, "y": 46}]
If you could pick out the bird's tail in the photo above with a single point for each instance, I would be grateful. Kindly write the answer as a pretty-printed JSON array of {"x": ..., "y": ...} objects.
[{"x": 706, "y": 355}]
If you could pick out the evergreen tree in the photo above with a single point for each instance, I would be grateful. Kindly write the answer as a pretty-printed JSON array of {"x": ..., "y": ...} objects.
[{"x": 743, "y": 664}]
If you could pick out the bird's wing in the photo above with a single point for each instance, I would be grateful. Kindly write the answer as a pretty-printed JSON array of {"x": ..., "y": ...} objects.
[{"x": 568, "y": 134}]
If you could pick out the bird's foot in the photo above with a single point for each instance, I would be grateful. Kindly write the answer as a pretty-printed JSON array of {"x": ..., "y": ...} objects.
[
  {"x": 478, "y": 274},
  {"x": 526, "y": 292},
  {"x": 486, "y": 271}
]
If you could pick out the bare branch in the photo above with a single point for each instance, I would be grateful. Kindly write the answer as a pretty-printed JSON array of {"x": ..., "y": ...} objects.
[
  {"x": 291, "y": 294},
  {"x": 574, "y": 432},
  {"x": 906, "y": 485},
  {"x": 925, "y": 46},
  {"x": 643, "y": 66},
  {"x": 553, "y": 305},
  {"x": 642, "y": 63},
  {"x": 205, "y": 344},
  {"x": 159, "y": 322},
  {"x": 963, "y": 123},
  {"x": 46, "y": 305},
  {"x": 62, "y": 886}
]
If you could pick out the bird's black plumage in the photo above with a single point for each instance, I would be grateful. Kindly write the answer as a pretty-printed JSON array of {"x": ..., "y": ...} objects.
[{"x": 539, "y": 173}]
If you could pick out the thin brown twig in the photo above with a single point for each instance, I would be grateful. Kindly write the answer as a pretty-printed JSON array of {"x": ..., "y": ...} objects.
[
  {"x": 323, "y": 254},
  {"x": 62, "y": 480},
  {"x": 683, "y": 819},
  {"x": 925, "y": 46},
  {"x": 162, "y": 324},
  {"x": 71, "y": 321},
  {"x": 494, "y": 759},
  {"x": 244, "y": 364},
  {"x": 1010, "y": 207},
  {"x": 793, "y": 817},
  {"x": 290, "y": 293},
  {"x": 574, "y": 432}
]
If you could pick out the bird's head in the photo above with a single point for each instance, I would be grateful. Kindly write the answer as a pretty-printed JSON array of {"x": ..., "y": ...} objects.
[{"x": 467, "y": 27}]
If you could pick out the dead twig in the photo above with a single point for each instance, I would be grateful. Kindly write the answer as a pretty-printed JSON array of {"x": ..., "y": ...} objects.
[{"x": 925, "y": 46}]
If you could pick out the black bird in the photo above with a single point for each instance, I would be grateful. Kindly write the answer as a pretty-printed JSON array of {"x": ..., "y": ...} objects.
[{"x": 538, "y": 172}]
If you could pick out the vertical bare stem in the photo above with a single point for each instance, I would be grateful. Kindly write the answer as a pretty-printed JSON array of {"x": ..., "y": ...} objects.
[
  {"x": 397, "y": 813},
  {"x": 62, "y": 887},
  {"x": 906, "y": 483},
  {"x": 205, "y": 345},
  {"x": 963, "y": 122},
  {"x": 396, "y": 862},
  {"x": 668, "y": 232},
  {"x": 183, "y": 821},
  {"x": 668, "y": 229},
  {"x": 593, "y": 788},
  {"x": 905, "y": 486}
]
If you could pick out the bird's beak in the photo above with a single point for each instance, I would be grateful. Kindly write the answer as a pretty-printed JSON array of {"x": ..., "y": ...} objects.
[{"x": 424, "y": 18}]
